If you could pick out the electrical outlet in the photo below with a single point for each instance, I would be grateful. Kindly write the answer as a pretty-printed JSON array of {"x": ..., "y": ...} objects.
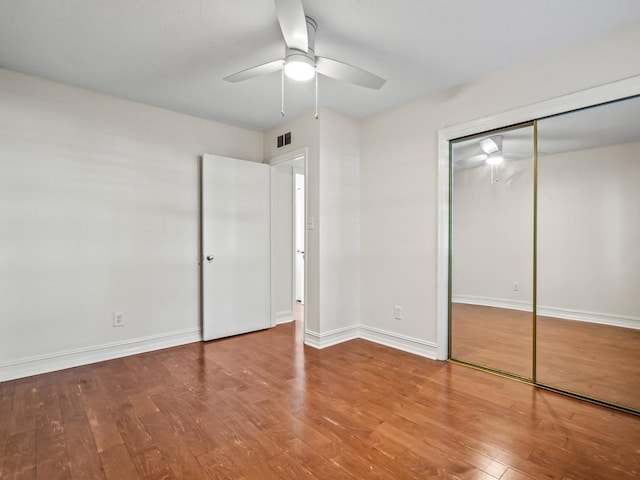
[
  {"x": 118, "y": 319},
  {"x": 516, "y": 287},
  {"x": 397, "y": 312}
]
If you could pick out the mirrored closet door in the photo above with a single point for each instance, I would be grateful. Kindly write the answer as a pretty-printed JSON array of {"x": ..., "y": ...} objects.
[
  {"x": 491, "y": 321},
  {"x": 588, "y": 266},
  {"x": 544, "y": 261}
]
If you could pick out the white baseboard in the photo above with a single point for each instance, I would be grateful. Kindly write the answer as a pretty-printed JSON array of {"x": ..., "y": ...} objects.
[
  {"x": 26, "y": 367},
  {"x": 389, "y": 339},
  {"x": 590, "y": 317},
  {"x": 522, "y": 305},
  {"x": 328, "y": 339},
  {"x": 610, "y": 319},
  {"x": 285, "y": 317},
  {"x": 400, "y": 342}
]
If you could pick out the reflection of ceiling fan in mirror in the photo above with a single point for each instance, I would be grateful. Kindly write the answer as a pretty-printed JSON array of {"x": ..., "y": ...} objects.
[{"x": 492, "y": 153}]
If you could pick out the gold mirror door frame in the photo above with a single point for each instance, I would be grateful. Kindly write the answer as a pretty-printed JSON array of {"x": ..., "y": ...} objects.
[{"x": 491, "y": 290}]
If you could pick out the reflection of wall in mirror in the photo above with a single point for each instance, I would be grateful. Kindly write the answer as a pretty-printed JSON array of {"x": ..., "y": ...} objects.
[
  {"x": 589, "y": 234},
  {"x": 492, "y": 235}
]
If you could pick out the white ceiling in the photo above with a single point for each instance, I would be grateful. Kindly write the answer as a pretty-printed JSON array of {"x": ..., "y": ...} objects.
[{"x": 174, "y": 53}]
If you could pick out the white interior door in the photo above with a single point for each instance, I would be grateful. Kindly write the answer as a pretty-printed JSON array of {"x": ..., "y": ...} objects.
[
  {"x": 300, "y": 231},
  {"x": 235, "y": 246}
]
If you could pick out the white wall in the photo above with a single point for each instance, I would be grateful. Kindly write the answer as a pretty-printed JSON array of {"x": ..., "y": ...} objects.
[
  {"x": 98, "y": 213},
  {"x": 398, "y": 171},
  {"x": 340, "y": 216},
  {"x": 589, "y": 232},
  {"x": 332, "y": 177}
]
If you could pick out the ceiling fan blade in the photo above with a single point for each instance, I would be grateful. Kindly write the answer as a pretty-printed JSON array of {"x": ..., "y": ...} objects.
[
  {"x": 256, "y": 71},
  {"x": 348, "y": 73},
  {"x": 471, "y": 160},
  {"x": 293, "y": 24},
  {"x": 519, "y": 154}
]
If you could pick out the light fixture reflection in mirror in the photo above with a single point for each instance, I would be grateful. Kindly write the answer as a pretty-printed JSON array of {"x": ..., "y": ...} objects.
[{"x": 495, "y": 158}]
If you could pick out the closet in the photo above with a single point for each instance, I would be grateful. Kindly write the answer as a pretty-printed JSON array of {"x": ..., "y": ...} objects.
[{"x": 544, "y": 252}]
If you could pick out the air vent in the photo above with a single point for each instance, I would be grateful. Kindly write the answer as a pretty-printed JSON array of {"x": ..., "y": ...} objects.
[{"x": 284, "y": 139}]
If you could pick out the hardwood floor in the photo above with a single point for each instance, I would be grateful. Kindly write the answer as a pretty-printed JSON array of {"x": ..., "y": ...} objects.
[{"x": 263, "y": 406}]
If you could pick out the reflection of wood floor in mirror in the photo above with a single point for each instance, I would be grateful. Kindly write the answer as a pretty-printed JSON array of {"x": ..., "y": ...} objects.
[
  {"x": 599, "y": 361},
  {"x": 492, "y": 337}
]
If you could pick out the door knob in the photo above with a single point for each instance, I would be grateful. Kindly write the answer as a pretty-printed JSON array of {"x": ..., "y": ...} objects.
[{"x": 209, "y": 258}]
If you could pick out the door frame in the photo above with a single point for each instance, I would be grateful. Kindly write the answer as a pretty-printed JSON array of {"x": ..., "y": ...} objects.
[
  {"x": 628, "y": 87},
  {"x": 279, "y": 159}
]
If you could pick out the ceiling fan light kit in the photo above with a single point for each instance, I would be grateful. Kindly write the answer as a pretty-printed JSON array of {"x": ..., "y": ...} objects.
[
  {"x": 495, "y": 158},
  {"x": 300, "y": 62},
  {"x": 299, "y": 67},
  {"x": 492, "y": 147}
]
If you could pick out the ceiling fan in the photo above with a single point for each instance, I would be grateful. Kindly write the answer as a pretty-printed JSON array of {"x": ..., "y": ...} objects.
[
  {"x": 300, "y": 61},
  {"x": 492, "y": 154}
]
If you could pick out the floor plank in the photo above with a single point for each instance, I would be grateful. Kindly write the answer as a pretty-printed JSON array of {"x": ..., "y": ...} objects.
[
  {"x": 84, "y": 460},
  {"x": 118, "y": 464}
]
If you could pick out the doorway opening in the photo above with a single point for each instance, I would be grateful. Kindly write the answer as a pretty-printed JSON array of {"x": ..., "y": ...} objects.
[
  {"x": 299, "y": 233},
  {"x": 288, "y": 239}
]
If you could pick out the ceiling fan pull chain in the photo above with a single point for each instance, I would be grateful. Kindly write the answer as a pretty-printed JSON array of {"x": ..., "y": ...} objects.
[
  {"x": 282, "y": 94},
  {"x": 316, "y": 117}
]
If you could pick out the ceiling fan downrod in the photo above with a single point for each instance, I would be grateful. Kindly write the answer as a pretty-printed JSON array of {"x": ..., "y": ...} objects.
[
  {"x": 282, "y": 94},
  {"x": 316, "y": 116}
]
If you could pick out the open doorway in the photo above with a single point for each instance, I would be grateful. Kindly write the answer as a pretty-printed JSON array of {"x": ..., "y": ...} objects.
[
  {"x": 288, "y": 239},
  {"x": 299, "y": 229},
  {"x": 299, "y": 200}
]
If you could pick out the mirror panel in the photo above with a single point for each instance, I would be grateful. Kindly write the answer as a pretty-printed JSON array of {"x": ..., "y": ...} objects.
[
  {"x": 492, "y": 251},
  {"x": 588, "y": 252}
]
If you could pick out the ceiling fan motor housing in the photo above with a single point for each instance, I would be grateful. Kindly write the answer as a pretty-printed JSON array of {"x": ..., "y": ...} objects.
[
  {"x": 295, "y": 54},
  {"x": 301, "y": 65}
]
